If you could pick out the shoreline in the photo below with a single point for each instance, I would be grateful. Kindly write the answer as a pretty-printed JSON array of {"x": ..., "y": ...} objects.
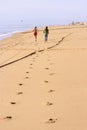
[{"x": 9, "y": 34}]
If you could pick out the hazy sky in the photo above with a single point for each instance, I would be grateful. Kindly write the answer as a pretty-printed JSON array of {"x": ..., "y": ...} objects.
[{"x": 43, "y": 11}]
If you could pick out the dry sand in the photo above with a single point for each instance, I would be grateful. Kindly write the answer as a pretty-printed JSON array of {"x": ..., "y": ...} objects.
[{"x": 43, "y": 85}]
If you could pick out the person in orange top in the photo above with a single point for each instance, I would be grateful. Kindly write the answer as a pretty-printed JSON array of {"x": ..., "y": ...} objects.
[{"x": 35, "y": 33}]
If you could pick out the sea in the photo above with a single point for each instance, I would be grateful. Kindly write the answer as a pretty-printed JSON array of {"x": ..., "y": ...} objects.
[{"x": 7, "y": 30}]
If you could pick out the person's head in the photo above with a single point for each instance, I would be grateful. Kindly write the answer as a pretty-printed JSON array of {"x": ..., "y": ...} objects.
[
  {"x": 35, "y": 27},
  {"x": 46, "y": 27}
]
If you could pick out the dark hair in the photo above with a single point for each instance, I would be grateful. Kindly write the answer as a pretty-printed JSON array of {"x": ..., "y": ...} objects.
[{"x": 46, "y": 27}]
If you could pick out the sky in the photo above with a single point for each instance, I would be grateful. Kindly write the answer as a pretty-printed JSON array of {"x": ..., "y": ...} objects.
[{"x": 41, "y": 12}]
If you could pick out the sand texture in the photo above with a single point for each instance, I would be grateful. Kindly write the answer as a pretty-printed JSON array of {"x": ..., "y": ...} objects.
[{"x": 43, "y": 85}]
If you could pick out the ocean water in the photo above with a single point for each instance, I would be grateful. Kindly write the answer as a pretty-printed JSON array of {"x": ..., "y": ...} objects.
[{"x": 7, "y": 30}]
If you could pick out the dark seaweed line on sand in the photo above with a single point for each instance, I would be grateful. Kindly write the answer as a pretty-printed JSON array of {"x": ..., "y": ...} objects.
[
  {"x": 34, "y": 52},
  {"x": 59, "y": 42},
  {"x": 17, "y": 59}
]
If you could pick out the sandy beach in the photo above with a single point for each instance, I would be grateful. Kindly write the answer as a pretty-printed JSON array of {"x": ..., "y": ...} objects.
[{"x": 43, "y": 85}]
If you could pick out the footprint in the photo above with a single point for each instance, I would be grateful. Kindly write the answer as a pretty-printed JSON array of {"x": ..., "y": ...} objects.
[
  {"x": 51, "y": 63},
  {"x": 33, "y": 60},
  {"x": 51, "y": 90},
  {"x": 46, "y": 81},
  {"x": 51, "y": 73},
  {"x": 20, "y": 84},
  {"x": 8, "y": 117},
  {"x": 19, "y": 93},
  {"x": 51, "y": 121},
  {"x": 27, "y": 77},
  {"x": 27, "y": 72},
  {"x": 12, "y": 103},
  {"x": 49, "y": 104},
  {"x": 31, "y": 64},
  {"x": 47, "y": 68},
  {"x": 31, "y": 68}
]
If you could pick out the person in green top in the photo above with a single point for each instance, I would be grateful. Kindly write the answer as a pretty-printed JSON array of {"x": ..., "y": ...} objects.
[{"x": 46, "y": 32}]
